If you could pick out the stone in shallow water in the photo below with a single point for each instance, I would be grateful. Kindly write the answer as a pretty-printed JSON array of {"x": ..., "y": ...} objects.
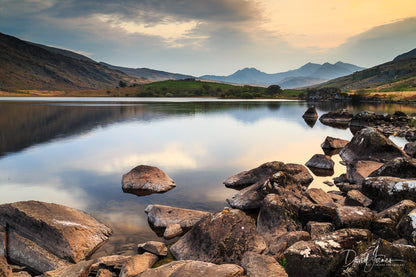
[
  {"x": 144, "y": 180},
  {"x": 333, "y": 143}
]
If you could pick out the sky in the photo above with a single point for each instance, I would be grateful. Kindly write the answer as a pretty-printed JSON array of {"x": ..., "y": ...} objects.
[{"x": 218, "y": 37}]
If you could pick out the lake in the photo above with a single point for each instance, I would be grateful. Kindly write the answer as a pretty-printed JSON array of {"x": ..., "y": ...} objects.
[{"x": 74, "y": 151}]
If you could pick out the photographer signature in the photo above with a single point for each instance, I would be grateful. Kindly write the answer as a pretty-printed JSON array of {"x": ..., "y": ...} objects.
[{"x": 369, "y": 259}]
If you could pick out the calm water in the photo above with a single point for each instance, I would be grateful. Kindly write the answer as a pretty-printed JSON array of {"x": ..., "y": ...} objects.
[{"x": 73, "y": 151}]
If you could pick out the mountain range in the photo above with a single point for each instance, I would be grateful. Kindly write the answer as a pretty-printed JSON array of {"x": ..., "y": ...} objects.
[
  {"x": 29, "y": 66},
  {"x": 396, "y": 75},
  {"x": 309, "y": 74}
]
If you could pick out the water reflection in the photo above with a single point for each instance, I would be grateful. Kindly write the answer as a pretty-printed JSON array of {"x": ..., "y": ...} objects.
[{"x": 74, "y": 153}]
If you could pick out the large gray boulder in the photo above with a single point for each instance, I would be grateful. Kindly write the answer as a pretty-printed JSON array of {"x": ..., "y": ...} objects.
[
  {"x": 145, "y": 180},
  {"x": 188, "y": 268},
  {"x": 220, "y": 238},
  {"x": 324, "y": 255},
  {"x": 261, "y": 265},
  {"x": 369, "y": 144},
  {"x": 45, "y": 236},
  {"x": 387, "y": 191},
  {"x": 160, "y": 216}
]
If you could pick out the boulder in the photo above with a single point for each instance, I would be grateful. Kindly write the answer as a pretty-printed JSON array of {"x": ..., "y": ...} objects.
[
  {"x": 154, "y": 247},
  {"x": 23, "y": 251},
  {"x": 321, "y": 162},
  {"x": 5, "y": 269},
  {"x": 261, "y": 265},
  {"x": 407, "y": 227},
  {"x": 325, "y": 254},
  {"x": 280, "y": 244},
  {"x": 219, "y": 238},
  {"x": 382, "y": 258},
  {"x": 319, "y": 228},
  {"x": 356, "y": 198},
  {"x": 400, "y": 167},
  {"x": 113, "y": 263},
  {"x": 173, "y": 231},
  {"x": 46, "y": 236},
  {"x": 81, "y": 269},
  {"x": 397, "y": 211},
  {"x": 254, "y": 176},
  {"x": 276, "y": 217},
  {"x": 410, "y": 149},
  {"x": 310, "y": 113},
  {"x": 354, "y": 217},
  {"x": 387, "y": 191},
  {"x": 321, "y": 165},
  {"x": 333, "y": 143},
  {"x": 194, "y": 268},
  {"x": 145, "y": 180},
  {"x": 320, "y": 197},
  {"x": 137, "y": 264},
  {"x": 369, "y": 144},
  {"x": 359, "y": 170},
  {"x": 160, "y": 216},
  {"x": 249, "y": 198},
  {"x": 339, "y": 119},
  {"x": 300, "y": 173},
  {"x": 346, "y": 187}
]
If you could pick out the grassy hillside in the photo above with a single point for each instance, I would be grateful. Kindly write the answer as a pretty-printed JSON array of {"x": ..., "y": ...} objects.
[
  {"x": 25, "y": 66},
  {"x": 397, "y": 75}
]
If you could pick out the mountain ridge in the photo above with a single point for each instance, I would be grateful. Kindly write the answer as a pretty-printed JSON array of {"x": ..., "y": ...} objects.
[{"x": 312, "y": 73}]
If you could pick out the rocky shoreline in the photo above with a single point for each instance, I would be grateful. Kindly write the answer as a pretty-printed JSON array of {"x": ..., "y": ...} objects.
[{"x": 275, "y": 225}]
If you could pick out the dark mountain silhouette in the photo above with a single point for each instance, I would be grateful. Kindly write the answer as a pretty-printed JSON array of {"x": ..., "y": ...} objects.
[
  {"x": 150, "y": 74},
  {"x": 409, "y": 54},
  {"x": 29, "y": 66},
  {"x": 306, "y": 75}
]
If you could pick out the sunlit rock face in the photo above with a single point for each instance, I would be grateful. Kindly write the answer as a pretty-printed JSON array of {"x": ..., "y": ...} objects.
[{"x": 46, "y": 236}]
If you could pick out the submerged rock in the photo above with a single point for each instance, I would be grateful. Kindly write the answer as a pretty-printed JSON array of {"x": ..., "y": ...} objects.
[
  {"x": 219, "y": 238},
  {"x": 46, "y": 236},
  {"x": 310, "y": 113},
  {"x": 336, "y": 119},
  {"x": 145, "y": 180},
  {"x": 160, "y": 216},
  {"x": 189, "y": 268}
]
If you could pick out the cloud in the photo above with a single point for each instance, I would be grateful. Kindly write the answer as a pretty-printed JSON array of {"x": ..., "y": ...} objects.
[{"x": 380, "y": 44}]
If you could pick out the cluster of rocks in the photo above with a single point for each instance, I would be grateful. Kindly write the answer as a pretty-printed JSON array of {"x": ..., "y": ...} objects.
[
  {"x": 275, "y": 225},
  {"x": 397, "y": 124}
]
